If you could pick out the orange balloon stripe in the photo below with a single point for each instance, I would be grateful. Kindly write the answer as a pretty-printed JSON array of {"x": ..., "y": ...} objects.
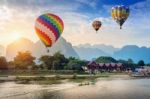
[
  {"x": 44, "y": 37},
  {"x": 49, "y": 26},
  {"x": 48, "y": 44},
  {"x": 42, "y": 34}
]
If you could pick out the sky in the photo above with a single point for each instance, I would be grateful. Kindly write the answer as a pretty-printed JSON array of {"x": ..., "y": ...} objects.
[{"x": 17, "y": 19}]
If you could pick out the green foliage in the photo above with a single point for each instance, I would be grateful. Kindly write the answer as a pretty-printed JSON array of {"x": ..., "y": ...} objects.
[
  {"x": 23, "y": 60},
  {"x": 3, "y": 63},
  {"x": 47, "y": 62},
  {"x": 59, "y": 61},
  {"x": 104, "y": 59},
  {"x": 148, "y": 64},
  {"x": 128, "y": 64},
  {"x": 75, "y": 64},
  {"x": 130, "y": 61},
  {"x": 141, "y": 63},
  {"x": 55, "y": 62}
]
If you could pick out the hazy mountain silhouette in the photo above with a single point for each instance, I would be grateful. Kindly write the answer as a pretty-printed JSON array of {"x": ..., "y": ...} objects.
[
  {"x": 38, "y": 49},
  {"x": 85, "y": 51},
  {"x": 105, "y": 48},
  {"x": 61, "y": 45},
  {"x": 89, "y": 53},
  {"x": 134, "y": 52},
  {"x": 21, "y": 44}
]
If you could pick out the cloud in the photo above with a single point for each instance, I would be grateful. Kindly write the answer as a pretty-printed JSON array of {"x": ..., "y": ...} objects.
[
  {"x": 91, "y": 3},
  {"x": 19, "y": 16}
]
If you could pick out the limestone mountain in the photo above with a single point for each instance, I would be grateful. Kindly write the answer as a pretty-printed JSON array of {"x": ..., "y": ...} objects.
[{"x": 38, "y": 49}]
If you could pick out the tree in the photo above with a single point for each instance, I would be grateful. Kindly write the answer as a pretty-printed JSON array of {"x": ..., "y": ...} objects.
[
  {"x": 75, "y": 64},
  {"x": 47, "y": 62},
  {"x": 23, "y": 60},
  {"x": 141, "y": 63},
  {"x": 128, "y": 64},
  {"x": 148, "y": 64},
  {"x": 3, "y": 63},
  {"x": 105, "y": 59},
  {"x": 55, "y": 62},
  {"x": 60, "y": 61},
  {"x": 130, "y": 61}
]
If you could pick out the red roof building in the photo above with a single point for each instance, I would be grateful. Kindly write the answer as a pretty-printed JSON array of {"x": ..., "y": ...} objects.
[{"x": 104, "y": 66}]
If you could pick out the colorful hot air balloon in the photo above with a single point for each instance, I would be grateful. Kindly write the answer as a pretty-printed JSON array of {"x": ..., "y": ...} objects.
[
  {"x": 120, "y": 14},
  {"x": 49, "y": 28},
  {"x": 96, "y": 25}
]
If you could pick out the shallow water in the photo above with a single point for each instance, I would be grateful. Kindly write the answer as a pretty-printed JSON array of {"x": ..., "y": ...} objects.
[{"x": 102, "y": 89}]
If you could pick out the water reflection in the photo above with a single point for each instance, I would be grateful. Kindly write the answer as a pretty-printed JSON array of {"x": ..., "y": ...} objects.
[{"x": 101, "y": 89}]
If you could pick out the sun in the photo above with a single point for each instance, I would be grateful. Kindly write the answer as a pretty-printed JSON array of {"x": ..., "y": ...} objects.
[{"x": 16, "y": 36}]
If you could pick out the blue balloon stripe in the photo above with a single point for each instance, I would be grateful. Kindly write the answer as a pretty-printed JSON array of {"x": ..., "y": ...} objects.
[
  {"x": 41, "y": 18},
  {"x": 51, "y": 24}
]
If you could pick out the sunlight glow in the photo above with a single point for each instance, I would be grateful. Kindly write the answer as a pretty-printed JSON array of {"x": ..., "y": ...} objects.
[{"x": 15, "y": 36}]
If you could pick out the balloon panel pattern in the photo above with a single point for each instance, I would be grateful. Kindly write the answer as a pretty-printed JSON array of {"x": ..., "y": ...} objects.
[
  {"x": 120, "y": 14},
  {"x": 49, "y": 28},
  {"x": 96, "y": 25}
]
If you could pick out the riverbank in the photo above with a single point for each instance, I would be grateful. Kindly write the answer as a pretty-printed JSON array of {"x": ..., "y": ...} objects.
[
  {"x": 63, "y": 78},
  {"x": 49, "y": 79},
  {"x": 57, "y": 79}
]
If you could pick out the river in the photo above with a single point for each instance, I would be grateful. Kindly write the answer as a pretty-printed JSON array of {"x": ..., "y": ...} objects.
[{"x": 101, "y": 89}]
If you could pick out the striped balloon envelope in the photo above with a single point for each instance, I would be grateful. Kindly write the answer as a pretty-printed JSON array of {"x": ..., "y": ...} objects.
[
  {"x": 49, "y": 28},
  {"x": 120, "y": 14}
]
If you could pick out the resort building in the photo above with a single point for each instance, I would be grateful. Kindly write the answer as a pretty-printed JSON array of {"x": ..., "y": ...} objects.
[
  {"x": 144, "y": 70},
  {"x": 102, "y": 67}
]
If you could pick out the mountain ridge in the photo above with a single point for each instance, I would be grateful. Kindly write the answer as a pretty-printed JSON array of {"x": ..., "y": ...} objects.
[
  {"x": 38, "y": 49},
  {"x": 87, "y": 51}
]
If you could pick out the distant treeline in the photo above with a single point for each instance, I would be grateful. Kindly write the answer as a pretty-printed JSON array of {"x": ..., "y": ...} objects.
[{"x": 25, "y": 61}]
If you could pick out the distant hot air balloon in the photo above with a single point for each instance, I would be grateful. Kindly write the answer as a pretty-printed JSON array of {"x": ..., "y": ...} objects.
[
  {"x": 49, "y": 28},
  {"x": 96, "y": 25},
  {"x": 120, "y": 14}
]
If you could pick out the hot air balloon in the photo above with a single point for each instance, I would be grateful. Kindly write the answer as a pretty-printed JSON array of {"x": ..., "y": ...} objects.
[
  {"x": 96, "y": 25},
  {"x": 49, "y": 28},
  {"x": 120, "y": 14}
]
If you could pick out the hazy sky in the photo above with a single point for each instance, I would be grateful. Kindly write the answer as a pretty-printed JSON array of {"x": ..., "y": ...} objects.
[{"x": 17, "y": 18}]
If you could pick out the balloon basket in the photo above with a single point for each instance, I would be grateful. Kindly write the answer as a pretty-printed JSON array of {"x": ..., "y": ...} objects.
[
  {"x": 120, "y": 27},
  {"x": 47, "y": 50}
]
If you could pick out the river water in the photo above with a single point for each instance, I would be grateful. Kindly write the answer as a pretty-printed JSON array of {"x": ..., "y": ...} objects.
[{"x": 101, "y": 89}]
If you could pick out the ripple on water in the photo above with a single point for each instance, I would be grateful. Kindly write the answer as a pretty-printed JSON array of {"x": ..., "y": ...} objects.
[{"x": 102, "y": 89}]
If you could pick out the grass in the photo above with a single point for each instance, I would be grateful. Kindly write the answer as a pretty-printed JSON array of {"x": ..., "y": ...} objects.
[
  {"x": 38, "y": 80},
  {"x": 53, "y": 78},
  {"x": 34, "y": 72},
  {"x": 57, "y": 79}
]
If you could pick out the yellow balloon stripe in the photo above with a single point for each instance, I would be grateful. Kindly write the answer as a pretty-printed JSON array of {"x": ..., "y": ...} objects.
[
  {"x": 119, "y": 13},
  {"x": 57, "y": 22},
  {"x": 42, "y": 39}
]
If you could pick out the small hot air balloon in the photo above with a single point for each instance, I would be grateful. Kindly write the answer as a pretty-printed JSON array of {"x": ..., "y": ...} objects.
[
  {"x": 49, "y": 28},
  {"x": 120, "y": 14},
  {"x": 96, "y": 25}
]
